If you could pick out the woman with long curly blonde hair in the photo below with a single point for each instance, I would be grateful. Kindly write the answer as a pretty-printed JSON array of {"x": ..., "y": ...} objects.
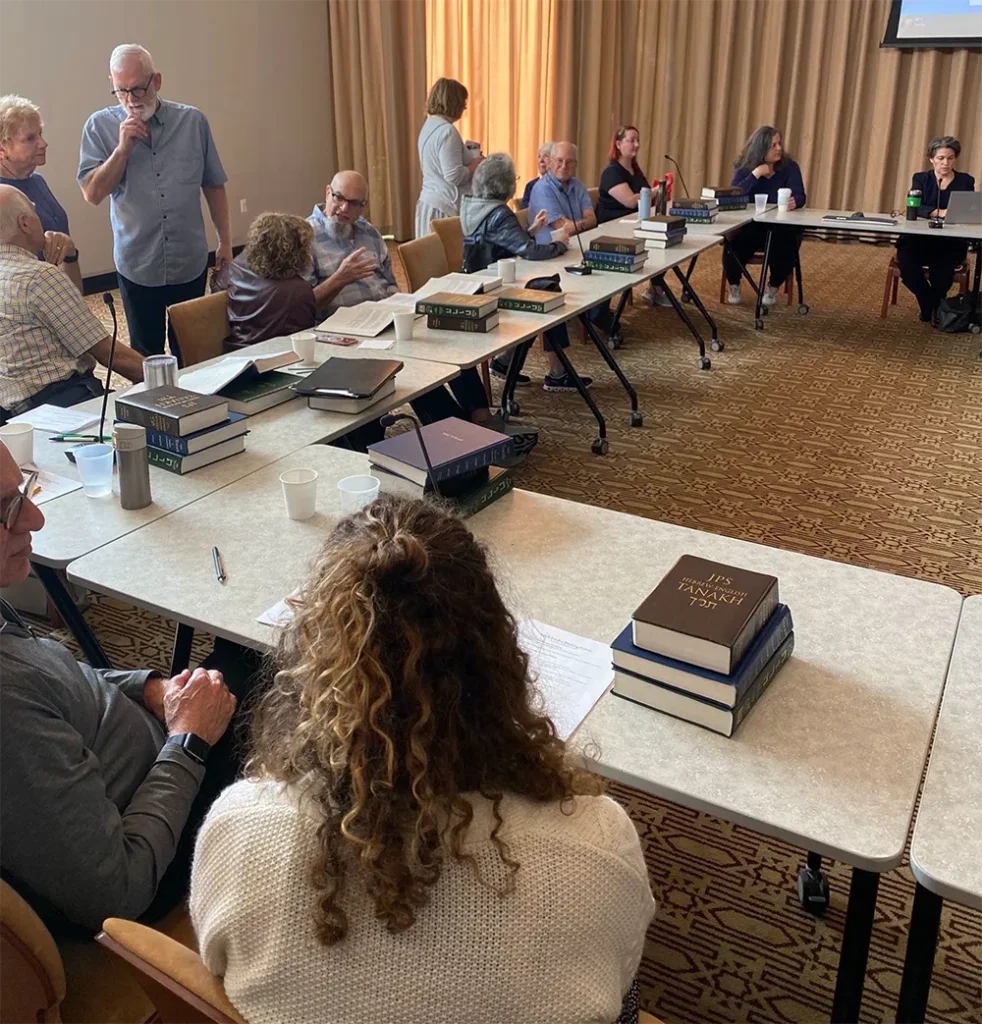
[{"x": 412, "y": 841}]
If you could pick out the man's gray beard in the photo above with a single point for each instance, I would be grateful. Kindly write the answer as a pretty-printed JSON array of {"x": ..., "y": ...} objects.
[{"x": 339, "y": 229}]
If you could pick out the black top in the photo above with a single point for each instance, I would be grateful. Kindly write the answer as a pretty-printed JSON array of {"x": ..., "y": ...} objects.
[
  {"x": 931, "y": 198},
  {"x": 608, "y": 208}
]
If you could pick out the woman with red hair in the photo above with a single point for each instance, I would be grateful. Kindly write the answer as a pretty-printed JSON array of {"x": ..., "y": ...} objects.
[{"x": 622, "y": 179}]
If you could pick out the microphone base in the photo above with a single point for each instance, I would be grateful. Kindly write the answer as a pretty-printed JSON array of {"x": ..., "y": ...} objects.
[{"x": 580, "y": 270}]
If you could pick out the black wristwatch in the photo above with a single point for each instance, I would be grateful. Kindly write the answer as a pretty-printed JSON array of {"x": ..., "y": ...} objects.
[
  {"x": 71, "y": 259},
  {"x": 192, "y": 745}
]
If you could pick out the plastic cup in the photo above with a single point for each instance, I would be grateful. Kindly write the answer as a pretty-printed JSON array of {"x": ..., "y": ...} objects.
[
  {"x": 303, "y": 345},
  {"x": 159, "y": 370},
  {"x": 358, "y": 491},
  {"x": 783, "y": 198},
  {"x": 19, "y": 439},
  {"x": 300, "y": 492},
  {"x": 404, "y": 325},
  {"x": 506, "y": 271},
  {"x": 95, "y": 468},
  {"x": 760, "y": 203}
]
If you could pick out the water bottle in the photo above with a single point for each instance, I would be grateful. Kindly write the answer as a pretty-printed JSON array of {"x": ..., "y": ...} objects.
[
  {"x": 661, "y": 202},
  {"x": 913, "y": 204},
  {"x": 134, "y": 469},
  {"x": 644, "y": 204}
]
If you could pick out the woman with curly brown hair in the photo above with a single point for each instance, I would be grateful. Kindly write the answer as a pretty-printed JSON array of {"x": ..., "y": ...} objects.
[
  {"x": 267, "y": 297},
  {"x": 412, "y": 840}
]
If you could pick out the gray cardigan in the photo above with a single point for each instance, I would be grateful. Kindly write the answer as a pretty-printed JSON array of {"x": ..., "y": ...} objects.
[{"x": 91, "y": 801}]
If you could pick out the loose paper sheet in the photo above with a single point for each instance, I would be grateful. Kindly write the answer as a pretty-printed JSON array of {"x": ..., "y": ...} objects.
[
  {"x": 51, "y": 485},
  {"x": 377, "y": 343},
  {"x": 366, "y": 320},
  {"x": 52, "y": 419},
  {"x": 278, "y": 616}
]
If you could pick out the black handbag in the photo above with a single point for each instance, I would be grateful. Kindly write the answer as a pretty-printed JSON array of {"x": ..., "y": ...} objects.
[
  {"x": 544, "y": 284},
  {"x": 956, "y": 315}
]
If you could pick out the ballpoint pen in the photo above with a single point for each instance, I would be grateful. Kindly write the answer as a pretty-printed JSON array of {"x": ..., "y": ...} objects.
[
  {"x": 216, "y": 561},
  {"x": 79, "y": 437}
]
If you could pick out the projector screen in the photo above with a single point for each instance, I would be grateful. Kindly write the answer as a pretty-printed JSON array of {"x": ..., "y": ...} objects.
[{"x": 941, "y": 24}]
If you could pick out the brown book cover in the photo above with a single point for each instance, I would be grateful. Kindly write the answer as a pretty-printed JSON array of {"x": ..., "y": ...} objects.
[
  {"x": 694, "y": 204},
  {"x": 661, "y": 223},
  {"x": 452, "y": 304},
  {"x": 719, "y": 191},
  {"x": 171, "y": 410},
  {"x": 611, "y": 243},
  {"x": 705, "y": 613},
  {"x": 531, "y": 300}
]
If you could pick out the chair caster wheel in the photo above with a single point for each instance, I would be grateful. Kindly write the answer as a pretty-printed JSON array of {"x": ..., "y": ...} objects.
[
  {"x": 637, "y": 419},
  {"x": 716, "y": 345},
  {"x": 600, "y": 446},
  {"x": 759, "y": 324},
  {"x": 686, "y": 297},
  {"x": 764, "y": 311},
  {"x": 813, "y": 891},
  {"x": 975, "y": 329},
  {"x": 514, "y": 409},
  {"x": 802, "y": 309},
  {"x": 615, "y": 341},
  {"x": 704, "y": 363}
]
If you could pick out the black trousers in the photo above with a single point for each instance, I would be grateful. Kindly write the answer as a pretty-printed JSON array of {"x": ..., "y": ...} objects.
[
  {"x": 78, "y": 388},
  {"x": 940, "y": 256},
  {"x": 752, "y": 239},
  {"x": 554, "y": 337},
  {"x": 465, "y": 397},
  {"x": 146, "y": 311}
]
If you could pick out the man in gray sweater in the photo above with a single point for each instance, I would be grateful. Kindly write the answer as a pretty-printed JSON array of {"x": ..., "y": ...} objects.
[{"x": 100, "y": 770}]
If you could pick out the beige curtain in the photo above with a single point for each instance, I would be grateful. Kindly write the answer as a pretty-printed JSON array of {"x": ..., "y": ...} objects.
[
  {"x": 698, "y": 77},
  {"x": 378, "y": 80},
  {"x": 515, "y": 60}
]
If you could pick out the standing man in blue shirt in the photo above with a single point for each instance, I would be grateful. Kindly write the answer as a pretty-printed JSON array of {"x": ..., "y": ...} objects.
[
  {"x": 562, "y": 195},
  {"x": 152, "y": 157}
]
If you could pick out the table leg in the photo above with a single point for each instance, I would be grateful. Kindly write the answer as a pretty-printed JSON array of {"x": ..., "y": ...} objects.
[
  {"x": 758, "y": 315},
  {"x": 73, "y": 618},
  {"x": 689, "y": 294},
  {"x": 183, "y": 636},
  {"x": 922, "y": 942},
  {"x": 688, "y": 277},
  {"x": 743, "y": 270},
  {"x": 509, "y": 407},
  {"x": 855, "y": 947},
  {"x": 616, "y": 339},
  {"x": 704, "y": 361},
  {"x": 813, "y": 886},
  {"x": 591, "y": 331}
]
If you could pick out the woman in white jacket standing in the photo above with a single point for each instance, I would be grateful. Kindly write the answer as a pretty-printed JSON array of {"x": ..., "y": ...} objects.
[{"x": 447, "y": 163}]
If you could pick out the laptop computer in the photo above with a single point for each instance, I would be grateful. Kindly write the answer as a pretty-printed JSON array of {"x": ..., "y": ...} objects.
[{"x": 964, "y": 208}]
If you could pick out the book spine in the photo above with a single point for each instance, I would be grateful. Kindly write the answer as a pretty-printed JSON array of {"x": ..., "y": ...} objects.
[
  {"x": 696, "y": 214},
  {"x": 522, "y": 305},
  {"x": 764, "y": 655},
  {"x": 760, "y": 684},
  {"x": 612, "y": 267},
  {"x": 167, "y": 442},
  {"x": 458, "y": 323},
  {"x": 477, "y": 461},
  {"x": 164, "y": 460},
  {"x": 612, "y": 257},
  {"x": 613, "y": 247},
  {"x": 490, "y": 492},
  {"x": 758, "y": 620},
  {"x": 147, "y": 418},
  {"x": 438, "y": 309}
]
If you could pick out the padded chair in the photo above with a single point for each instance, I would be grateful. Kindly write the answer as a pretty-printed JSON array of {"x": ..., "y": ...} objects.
[
  {"x": 893, "y": 282},
  {"x": 523, "y": 218},
  {"x": 449, "y": 232},
  {"x": 200, "y": 325},
  {"x": 594, "y": 194},
  {"x": 74, "y": 980},
  {"x": 755, "y": 261},
  {"x": 181, "y": 988}
]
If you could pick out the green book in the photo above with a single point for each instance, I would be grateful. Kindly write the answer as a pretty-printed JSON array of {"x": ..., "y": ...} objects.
[
  {"x": 252, "y": 393},
  {"x": 530, "y": 300},
  {"x": 181, "y": 464}
]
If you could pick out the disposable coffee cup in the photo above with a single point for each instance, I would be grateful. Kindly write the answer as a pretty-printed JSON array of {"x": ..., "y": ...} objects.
[
  {"x": 19, "y": 439},
  {"x": 404, "y": 325},
  {"x": 357, "y": 492},
  {"x": 299, "y": 492},
  {"x": 783, "y": 198},
  {"x": 303, "y": 345},
  {"x": 506, "y": 271},
  {"x": 760, "y": 203},
  {"x": 95, "y": 469}
]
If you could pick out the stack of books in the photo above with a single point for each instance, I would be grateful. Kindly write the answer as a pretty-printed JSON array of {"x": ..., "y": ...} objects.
[
  {"x": 462, "y": 455},
  {"x": 728, "y": 197},
  {"x": 661, "y": 231},
  {"x": 349, "y": 385},
  {"x": 705, "y": 644},
  {"x": 248, "y": 383},
  {"x": 622, "y": 255},
  {"x": 530, "y": 300},
  {"x": 451, "y": 311},
  {"x": 699, "y": 211},
  {"x": 185, "y": 430}
]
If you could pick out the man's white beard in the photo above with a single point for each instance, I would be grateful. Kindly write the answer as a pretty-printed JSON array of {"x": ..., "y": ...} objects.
[{"x": 339, "y": 229}]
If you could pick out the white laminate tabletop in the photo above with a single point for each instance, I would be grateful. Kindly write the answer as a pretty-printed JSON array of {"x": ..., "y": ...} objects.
[
  {"x": 830, "y": 759},
  {"x": 809, "y": 218},
  {"x": 946, "y": 851},
  {"x": 75, "y": 524}
]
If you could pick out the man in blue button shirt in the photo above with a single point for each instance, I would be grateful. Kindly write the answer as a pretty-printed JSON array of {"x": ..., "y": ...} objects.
[
  {"x": 152, "y": 157},
  {"x": 562, "y": 195}
]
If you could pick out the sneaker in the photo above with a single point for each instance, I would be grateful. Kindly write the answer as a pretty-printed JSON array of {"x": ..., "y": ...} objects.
[
  {"x": 770, "y": 295},
  {"x": 734, "y": 299},
  {"x": 656, "y": 296},
  {"x": 500, "y": 370},
  {"x": 525, "y": 437},
  {"x": 563, "y": 383}
]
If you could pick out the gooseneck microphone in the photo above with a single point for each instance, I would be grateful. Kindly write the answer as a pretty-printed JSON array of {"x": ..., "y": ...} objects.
[
  {"x": 583, "y": 270},
  {"x": 679, "y": 169},
  {"x": 392, "y": 417},
  {"x": 107, "y": 298}
]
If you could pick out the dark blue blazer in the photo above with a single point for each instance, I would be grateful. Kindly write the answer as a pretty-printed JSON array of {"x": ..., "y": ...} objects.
[{"x": 931, "y": 198}]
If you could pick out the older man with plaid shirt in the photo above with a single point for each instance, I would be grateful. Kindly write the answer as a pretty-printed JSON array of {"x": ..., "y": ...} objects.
[{"x": 49, "y": 339}]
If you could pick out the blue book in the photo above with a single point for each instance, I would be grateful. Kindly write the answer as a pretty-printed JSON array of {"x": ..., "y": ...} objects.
[
  {"x": 190, "y": 444},
  {"x": 627, "y": 258},
  {"x": 726, "y": 690}
]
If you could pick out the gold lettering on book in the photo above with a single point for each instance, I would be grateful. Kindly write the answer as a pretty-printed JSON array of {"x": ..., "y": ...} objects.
[{"x": 711, "y": 592}]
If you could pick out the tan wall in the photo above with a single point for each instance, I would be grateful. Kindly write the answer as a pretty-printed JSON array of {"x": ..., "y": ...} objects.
[{"x": 259, "y": 69}]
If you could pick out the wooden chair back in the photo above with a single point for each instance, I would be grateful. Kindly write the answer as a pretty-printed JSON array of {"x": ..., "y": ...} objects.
[
  {"x": 594, "y": 194},
  {"x": 523, "y": 218},
  {"x": 200, "y": 325},
  {"x": 30, "y": 963},
  {"x": 424, "y": 258},
  {"x": 452, "y": 236}
]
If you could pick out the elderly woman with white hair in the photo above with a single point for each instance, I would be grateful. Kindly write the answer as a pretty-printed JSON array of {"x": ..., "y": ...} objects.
[
  {"x": 23, "y": 150},
  {"x": 542, "y": 161}
]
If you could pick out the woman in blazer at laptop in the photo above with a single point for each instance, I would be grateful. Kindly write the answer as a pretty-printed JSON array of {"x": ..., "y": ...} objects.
[{"x": 937, "y": 256}]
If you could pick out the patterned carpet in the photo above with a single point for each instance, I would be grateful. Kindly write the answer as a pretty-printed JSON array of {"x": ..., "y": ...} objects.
[{"x": 836, "y": 434}]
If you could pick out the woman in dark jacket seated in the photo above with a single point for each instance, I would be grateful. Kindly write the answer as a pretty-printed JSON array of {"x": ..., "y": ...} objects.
[
  {"x": 492, "y": 232},
  {"x": 939, "y": 255}
]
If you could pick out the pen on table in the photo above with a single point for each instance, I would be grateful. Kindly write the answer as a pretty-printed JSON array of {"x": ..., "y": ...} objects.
[
  {"x": 78, "y": 437},
  {"x": 216, "y": 561}
]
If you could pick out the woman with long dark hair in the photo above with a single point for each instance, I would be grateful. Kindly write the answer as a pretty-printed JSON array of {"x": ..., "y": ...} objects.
[
  {"x": 412, "y": 839},
  {"x": 763, "y": 167}
]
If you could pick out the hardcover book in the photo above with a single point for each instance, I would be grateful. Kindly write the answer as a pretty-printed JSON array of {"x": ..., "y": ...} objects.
[
  {"x": 699, "y": 711},
  {"x": 701, "y": 682},
  {"x": 620, "y": 258},
  {"x": 455, "y": 446},
  {"x": 187, "y": 463},
  {"x": 694, "y": 204},
  {"x": 477, "y": 491},
  {"x": 171, "y": 410},
  {"x": 705, "y": 613},
  {"x": 200, "y": 439},
  {"x": 698, "y": 216},
  {"x": 352, "y": 406},
  {"x": 438, "y": 322},
  {"x": 664, "y": 243},
  {"x": 452, "y": 304},
  {"x": 616, "y": 268},
  {"x": 348, "y": 378},
  {"x": 251, "y": 394},
  {"x": 719, "y": 191},
  {"x": 530, "y": 300},
  {"x": 614, "y": 243},
  {"x": 660, "y": 223}
]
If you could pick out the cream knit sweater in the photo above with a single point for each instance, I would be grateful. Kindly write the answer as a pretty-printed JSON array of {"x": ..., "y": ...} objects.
[{"x": 563, "y": 947}]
